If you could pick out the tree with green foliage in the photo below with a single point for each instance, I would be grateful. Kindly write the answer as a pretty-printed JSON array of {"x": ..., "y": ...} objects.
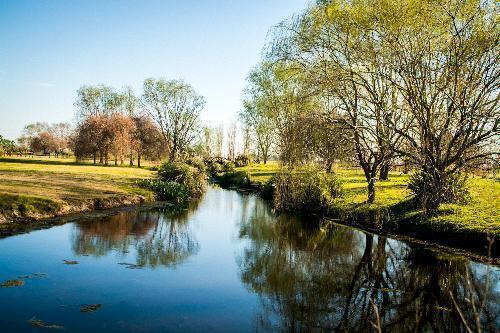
[
  {"x": 279, "y": 103},
  {"x": 6, "y": 146},
  {"x": 175, "y": 106},
  {"x": 261, "y": 126},
  {"x": 449, "y": 83}
]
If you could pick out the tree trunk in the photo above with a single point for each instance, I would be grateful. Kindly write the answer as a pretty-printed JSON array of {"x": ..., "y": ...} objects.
[
  {"x": 384, "y": 172},
  {"x": 405, "y": 167},
  {"x": 432, "y": 194},
  {"x": 95, "y": 156},
  {"x": 329, "y": 166},
  {"x": 371, "y": 190},
  {"x": 138, "y": 160}
]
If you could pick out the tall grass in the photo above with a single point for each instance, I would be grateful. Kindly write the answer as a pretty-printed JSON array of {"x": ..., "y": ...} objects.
[{"x": 306, "y": 189}]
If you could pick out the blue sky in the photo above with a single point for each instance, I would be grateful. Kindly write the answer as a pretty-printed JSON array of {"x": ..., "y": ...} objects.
[{"x": 50, "y": 48}]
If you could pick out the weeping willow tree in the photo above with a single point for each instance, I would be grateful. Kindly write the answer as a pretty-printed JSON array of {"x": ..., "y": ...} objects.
[{"x": 416, "y": 80}]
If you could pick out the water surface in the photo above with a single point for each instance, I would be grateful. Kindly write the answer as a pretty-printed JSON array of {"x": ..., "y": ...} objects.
[{"x": 229, "y": 264}]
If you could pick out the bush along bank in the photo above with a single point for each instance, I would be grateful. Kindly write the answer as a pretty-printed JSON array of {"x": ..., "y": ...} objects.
[
  {"x": 177, "y": 181},
  {"x": 307, "y": 190}
]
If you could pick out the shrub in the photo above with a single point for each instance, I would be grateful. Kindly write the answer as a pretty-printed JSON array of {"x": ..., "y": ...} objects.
[
  {"x": 228, "y": 166},
  {"x": 182, "y": 173},
  {"x": 177, "y": 181},
  {"x": 433, "y": 189},
  {"x": 198, "y": 163},
  {"x": 242, "y": 160},
  {"x": 167, "y": 190},
  {"x": 233, "y": 178},
  {"x": 306, "y": 189},
  {"x": 214, "y": 168}
]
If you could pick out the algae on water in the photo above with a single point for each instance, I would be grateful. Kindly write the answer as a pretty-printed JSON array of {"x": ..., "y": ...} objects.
[
  {"x": 12, "y": 283},
  {"x": 35, "y": 322},
  {"x": 88, "y": 308}
]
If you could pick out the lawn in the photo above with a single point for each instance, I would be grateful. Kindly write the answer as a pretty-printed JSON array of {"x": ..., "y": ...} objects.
[
  {"x": 43, "y": 187},
  {"x": 480, "y": 214}
]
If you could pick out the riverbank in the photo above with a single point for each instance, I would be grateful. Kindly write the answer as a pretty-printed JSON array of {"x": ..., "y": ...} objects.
[
  {"x": 471, "y": 226},
  {"x": 33, "y": 190}
]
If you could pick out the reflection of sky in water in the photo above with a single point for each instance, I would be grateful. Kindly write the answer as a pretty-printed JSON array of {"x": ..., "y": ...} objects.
[{"x": 221, "y": 265}]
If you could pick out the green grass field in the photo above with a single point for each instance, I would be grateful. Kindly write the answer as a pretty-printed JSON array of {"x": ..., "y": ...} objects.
[
  {"x": 482, "y": 213},
  {"x": 42, "y": 187}
]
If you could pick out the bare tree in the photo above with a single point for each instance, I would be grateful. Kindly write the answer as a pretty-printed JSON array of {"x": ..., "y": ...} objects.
[
  {"x": 219, "y": 140},
  {"x": 231, "y": 141}
]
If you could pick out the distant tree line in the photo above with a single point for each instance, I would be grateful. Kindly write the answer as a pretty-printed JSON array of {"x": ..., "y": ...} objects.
[
  {"x": 377, "y": 82},
  {"x": 46, "y": 139},
  {"x": 163, "y": 122},
  {"x": 119, "y": 126}
]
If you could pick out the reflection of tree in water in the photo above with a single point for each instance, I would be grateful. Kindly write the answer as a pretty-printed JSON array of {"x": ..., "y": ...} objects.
[
  {"x": 160, "y": 237},
  {"x": 338, "y": 279}
]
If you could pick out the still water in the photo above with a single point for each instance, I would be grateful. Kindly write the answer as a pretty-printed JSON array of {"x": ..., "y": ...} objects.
[{"x": 229, "y": 264}]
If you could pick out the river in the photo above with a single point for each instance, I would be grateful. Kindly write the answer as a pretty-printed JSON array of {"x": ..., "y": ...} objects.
[{"x": 228, "y": 264}]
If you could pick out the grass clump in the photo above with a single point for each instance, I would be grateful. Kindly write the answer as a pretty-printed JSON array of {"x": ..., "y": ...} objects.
[
  {"x": 452, "y": 188},
  {"x": 305, "y": 190},
  {"x": 238, "y": 179},
  {"x": 167, "y": 190}
]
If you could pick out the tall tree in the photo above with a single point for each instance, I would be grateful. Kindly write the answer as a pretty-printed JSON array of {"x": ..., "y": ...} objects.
[
  {"x": 447, "y": 60},
  {"x": 219, "y": 140},
  {"x": 175, "y": 106},
  {"x": 261, "y": 126},
  {"x": 338, "y": 47},
  {"x": 98, "y": 100}
]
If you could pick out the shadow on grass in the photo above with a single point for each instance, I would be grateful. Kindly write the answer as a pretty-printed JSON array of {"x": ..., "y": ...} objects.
[{"x": 56, "y": 162}]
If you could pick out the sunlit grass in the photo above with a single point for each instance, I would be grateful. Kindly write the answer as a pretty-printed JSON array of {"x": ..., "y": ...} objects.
[{"x": 28, "y": 187}]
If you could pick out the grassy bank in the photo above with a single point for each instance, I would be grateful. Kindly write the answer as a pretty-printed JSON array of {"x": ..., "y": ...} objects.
[
  {"x": 392, "y": 209},
  {"x": 43, "y": 187}
]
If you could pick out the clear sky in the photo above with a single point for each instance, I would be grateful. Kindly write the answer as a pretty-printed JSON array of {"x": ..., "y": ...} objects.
[{"x": 50, "y": 48}]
